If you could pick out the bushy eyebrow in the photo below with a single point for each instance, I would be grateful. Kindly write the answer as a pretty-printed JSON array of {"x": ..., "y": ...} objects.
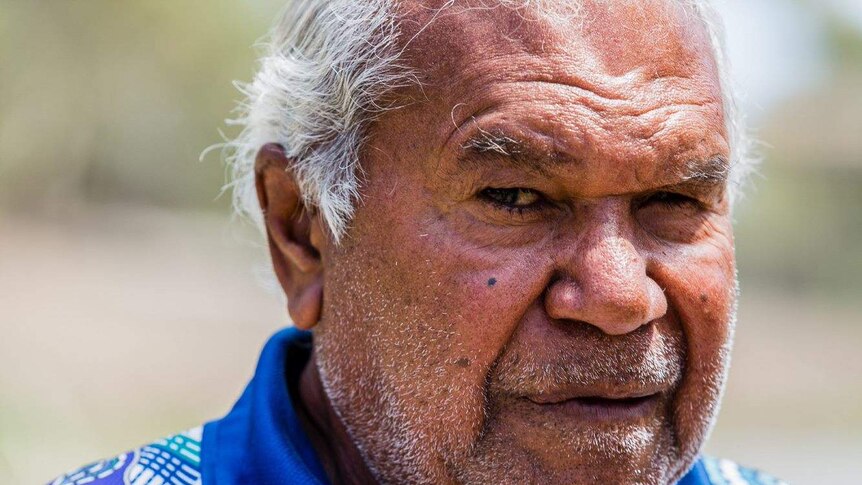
[
  {"x": 712, "y": 171},
  {"x": 492, "y": 147},
  {"x": 486, "y": 147},
  {"x": 486, "y": 142}
]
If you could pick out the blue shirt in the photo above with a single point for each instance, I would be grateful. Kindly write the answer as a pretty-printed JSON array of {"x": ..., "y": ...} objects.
[{"x": 260, "y": 441}]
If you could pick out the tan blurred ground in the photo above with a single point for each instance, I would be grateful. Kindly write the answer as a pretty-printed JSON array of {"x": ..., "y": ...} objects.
[{"x": 118, "y": 327}]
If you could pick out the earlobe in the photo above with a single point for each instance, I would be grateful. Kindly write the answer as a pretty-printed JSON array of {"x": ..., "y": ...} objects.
[
  {"x": 304, "y": 308},
  {"x": 291, "y": 229}
]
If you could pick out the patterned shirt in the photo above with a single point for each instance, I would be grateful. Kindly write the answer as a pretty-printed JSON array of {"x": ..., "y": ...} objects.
[{"x": 260, "y": 441}]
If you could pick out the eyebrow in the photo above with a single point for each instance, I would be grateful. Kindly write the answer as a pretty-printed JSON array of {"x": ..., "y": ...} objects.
[
  {"x": 490, "y": 147},
  {"x": 712, "y": 171},
  {"x": 485, "y": 142},
  {"x": 487, "y": 147}
]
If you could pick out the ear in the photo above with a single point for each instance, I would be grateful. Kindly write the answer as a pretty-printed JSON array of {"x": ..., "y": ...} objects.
[{"x": 294, "y": 233}]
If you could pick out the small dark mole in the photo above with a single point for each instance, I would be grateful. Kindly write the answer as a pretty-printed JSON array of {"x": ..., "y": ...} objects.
[
  {"x": 492, "y": 281},
  {"x": 704, "y": 298},
  {"x": 462, "y": 362}
]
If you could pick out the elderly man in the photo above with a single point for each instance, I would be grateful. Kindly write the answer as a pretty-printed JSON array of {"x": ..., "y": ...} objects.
[{"x": 503, "y": 231}]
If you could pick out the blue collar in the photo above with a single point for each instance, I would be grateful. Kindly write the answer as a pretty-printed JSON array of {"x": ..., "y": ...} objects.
[{"x": 261, "y": 440}]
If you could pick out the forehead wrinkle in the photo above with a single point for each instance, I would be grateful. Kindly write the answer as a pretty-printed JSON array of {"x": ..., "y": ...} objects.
[{"x": 583, "y": 105}]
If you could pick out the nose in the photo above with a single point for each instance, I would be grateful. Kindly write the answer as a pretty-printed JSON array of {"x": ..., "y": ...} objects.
[{"x": 605, "y": 284}]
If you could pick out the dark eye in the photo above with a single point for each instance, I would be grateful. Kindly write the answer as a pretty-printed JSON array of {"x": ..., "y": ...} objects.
[
  {"x": 515, "y": 198},
  {"x": 670, "y": 199},
  {"x": 673, "y": 217}
]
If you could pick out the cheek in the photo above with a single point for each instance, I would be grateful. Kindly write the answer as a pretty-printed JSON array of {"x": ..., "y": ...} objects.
[
  {"x": 699, "y": 280},
  {"x": 465, "y": 297},
  {"x": 700, "y": 284},
  {"x": 429, "y": 313},
  {"x": 472, "y": 301}
]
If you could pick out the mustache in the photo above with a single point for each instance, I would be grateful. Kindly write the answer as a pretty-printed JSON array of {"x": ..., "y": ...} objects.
[{"x": 587, "y": 358}]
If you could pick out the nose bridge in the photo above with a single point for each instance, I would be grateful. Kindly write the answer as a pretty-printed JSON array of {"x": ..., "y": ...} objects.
[
  {"x": 608, "y": 266},
  {"x": 605, "y": 281},
  {"x": 608, "y": 258}
]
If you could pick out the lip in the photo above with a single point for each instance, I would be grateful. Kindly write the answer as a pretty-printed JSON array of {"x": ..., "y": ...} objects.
[{"x": 609, "y": 406}]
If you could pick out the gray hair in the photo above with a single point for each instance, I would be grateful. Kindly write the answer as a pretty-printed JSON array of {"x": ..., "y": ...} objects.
[{"x": 326, "y": 67}]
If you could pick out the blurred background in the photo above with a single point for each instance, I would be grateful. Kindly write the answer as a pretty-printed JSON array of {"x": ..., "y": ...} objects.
[{"x": 131, "y": 304}]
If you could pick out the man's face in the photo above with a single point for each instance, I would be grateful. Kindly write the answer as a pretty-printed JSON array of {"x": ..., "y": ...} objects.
[{"x": 538, "y": 284}]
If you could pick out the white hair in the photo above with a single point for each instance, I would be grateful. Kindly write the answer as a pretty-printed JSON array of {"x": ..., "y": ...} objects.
[{"x": 326, "y": 66}]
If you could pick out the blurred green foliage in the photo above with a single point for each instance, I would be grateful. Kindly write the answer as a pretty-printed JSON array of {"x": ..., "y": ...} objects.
[
  {"x": 114, "y": 101},
  {"x": 846, "y": 43},
  {"x": 799, "y": 231}
]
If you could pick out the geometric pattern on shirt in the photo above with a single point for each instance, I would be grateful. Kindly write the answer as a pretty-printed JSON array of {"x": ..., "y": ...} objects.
[
  {"x": 97, "y": 472},
  {"x": 174, "y": 460},
  {"x": 726, "y": 472}
]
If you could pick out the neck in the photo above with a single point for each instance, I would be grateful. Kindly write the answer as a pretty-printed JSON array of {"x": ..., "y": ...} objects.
[{"x": 337, "y": 453}]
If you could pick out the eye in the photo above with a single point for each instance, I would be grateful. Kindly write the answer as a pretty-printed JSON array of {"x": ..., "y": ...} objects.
[
  {"x": 673, "y": 217},
  {"x": 670, "y": 199},
  {"x": 512, "y": 198}
]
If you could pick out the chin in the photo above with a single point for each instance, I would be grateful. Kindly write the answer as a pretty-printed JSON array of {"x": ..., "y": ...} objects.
[
  {"x": 518, "y": 452},
  {"x": 521, "y": 467}
]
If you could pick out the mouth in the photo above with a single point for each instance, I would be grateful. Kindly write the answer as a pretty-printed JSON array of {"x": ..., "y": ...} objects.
[{"x": 600, "y": 408}]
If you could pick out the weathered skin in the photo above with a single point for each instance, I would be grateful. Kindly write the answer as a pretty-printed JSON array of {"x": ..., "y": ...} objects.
[{"x": 445, "y": 323}]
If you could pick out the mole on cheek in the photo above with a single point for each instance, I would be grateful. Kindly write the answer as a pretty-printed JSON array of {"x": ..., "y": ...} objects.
[
  {"x": 462, "y": 362},
  {"x": 704, "y": 298},
  {"x": 492, "y": 281}
]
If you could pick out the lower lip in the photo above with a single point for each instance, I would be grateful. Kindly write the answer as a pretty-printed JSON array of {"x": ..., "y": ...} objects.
[{"x": 604, "y": 410}]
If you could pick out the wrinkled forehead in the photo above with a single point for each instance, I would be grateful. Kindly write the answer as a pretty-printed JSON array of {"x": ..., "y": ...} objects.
[{"x": 596, "y": 42}]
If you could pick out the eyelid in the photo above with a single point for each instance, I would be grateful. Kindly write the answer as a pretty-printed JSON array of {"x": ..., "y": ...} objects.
[
  {"x": 677, "y": 201},
  {"x": 700, "y": 192},
  {"x": 671, "y": 195},
  {"x": 696, "y": 189},
  {"x": 489, "y": 190},
  {"x": 542, "y": 202}
]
